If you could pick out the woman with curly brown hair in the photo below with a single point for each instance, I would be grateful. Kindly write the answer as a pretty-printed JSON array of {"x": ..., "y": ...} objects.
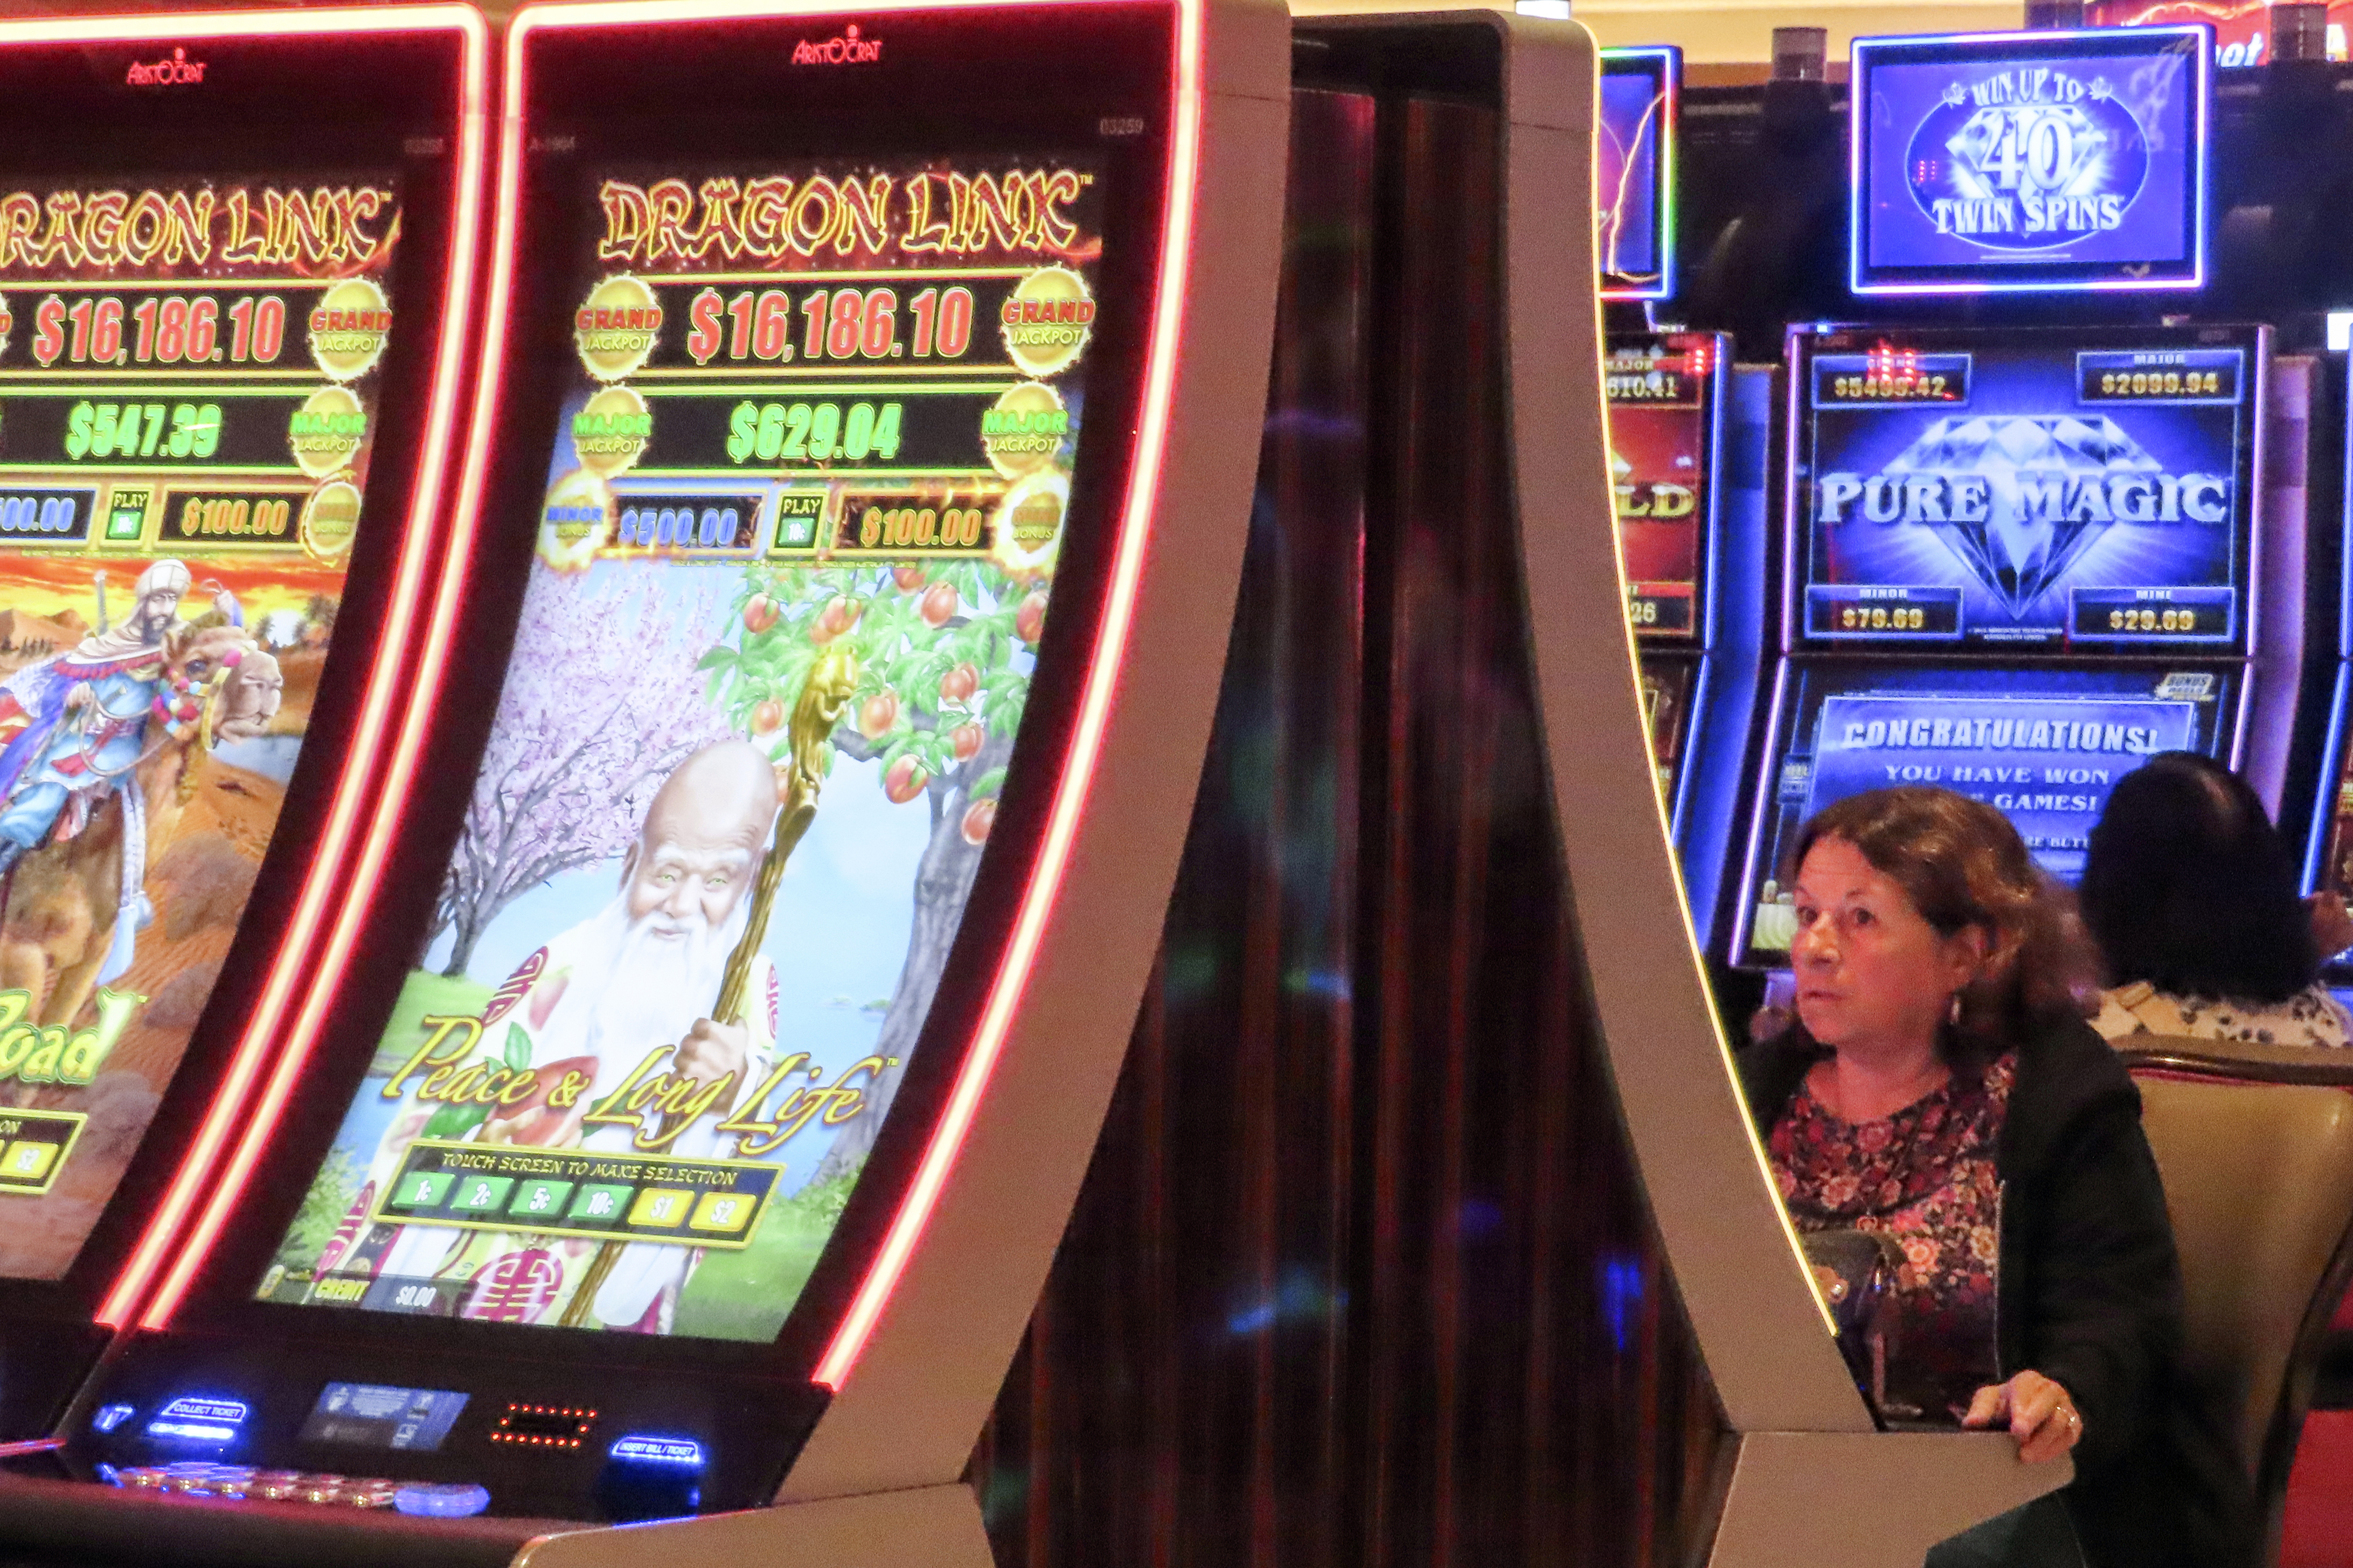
[{"x": 1939, "y": 1086}]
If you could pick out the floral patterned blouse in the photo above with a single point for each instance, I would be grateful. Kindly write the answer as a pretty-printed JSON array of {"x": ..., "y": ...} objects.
[
  {"x": 2310, "y": 1018},
  {"x": 1925, "y": 1177}
]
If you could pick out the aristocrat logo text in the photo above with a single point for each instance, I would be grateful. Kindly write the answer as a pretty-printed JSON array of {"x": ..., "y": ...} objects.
[
  {"x": 176, "y": 71},
  {"x": 848, "y": 49}
]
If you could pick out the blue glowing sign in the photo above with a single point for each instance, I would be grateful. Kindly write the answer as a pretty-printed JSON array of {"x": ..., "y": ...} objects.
[
  {"x": 2043, "y": 745},
  {"x": 111, "y": 1417},
  {"x": 2085, "y": 491},
  {"x": 2029, "y": 162},
  {"x": 638, "y": 1449},
  {"x": 199, "y": 1419}
]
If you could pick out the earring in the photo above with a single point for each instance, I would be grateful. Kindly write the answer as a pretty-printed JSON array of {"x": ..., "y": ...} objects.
[{"x": 1952, "y": 1014}]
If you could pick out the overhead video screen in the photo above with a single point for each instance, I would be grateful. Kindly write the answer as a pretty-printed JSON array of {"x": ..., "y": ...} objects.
[
  {"x": 189, "y": 378},
  {"x": 2087, "y": 492},
  {"x": 2030, "y": 161},
  {"x": 2043, "y": 745},
  {"x": 1663, "y": 399},
  {"x": 796, "y": 550},
  {"x": 1634, "y": 148}
]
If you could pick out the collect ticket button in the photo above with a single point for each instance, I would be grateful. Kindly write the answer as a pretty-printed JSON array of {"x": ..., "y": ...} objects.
[
  {"x": 481, "y": 1194},
  {"x": 660, "y": 1208},
  {"x": 723, "y": 1212},
  {"x": 26, "y": 1162},
  {"x": 539, "y": 1200},
  {"x": 423, "y": 1190}
]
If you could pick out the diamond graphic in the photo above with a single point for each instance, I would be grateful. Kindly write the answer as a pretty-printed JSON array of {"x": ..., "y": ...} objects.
[
  {"x": 2027, "y": 542},
  {"x": 1985, "y": 151}
]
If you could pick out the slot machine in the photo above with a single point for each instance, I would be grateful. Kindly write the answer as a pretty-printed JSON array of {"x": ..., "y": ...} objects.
[
  {"x": 682, "y": 1118},
  {"x": 1950, "y": 623},
  {"x": 2019, "y": 561},
  {"x": 1813, "y": 1475},
  {"x": 236, "y": 279}
]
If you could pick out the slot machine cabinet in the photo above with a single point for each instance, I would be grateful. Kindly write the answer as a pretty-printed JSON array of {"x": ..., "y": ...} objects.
[
  {"x": 1812, "y": 1479},
  {"x": 851, "y": 510},
  {"x": 235, "y": 301}
]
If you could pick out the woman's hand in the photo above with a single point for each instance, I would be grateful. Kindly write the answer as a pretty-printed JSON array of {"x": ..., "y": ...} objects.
[
  {"x": 2332, "y": 926},
  {"x": 2038, "y": 1412}
]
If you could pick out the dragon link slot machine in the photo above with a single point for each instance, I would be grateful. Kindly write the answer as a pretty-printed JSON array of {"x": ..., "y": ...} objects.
[
  {"x": 236, "y": 264},
  {"x": 700, "y": 1072}
]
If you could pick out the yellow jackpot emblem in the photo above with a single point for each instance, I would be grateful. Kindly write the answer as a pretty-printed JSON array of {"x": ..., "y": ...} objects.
[
  {"x": 1026, "y": 532},
  {"x": 575, "y": 521},
  {"x": 349, "y": 327},
  {"x": 615, "y": 327},
  {"x": 330, "y": 519},
  {"x": 1046, "y": 320},
  {"x": 612, "y": 430},
  {"x": 326, "y": 431},
  {"x": 1025, "y": 430}
]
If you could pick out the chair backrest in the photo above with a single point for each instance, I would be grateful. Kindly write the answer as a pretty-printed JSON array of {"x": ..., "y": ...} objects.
[{"x": 2256, "y": 1147}]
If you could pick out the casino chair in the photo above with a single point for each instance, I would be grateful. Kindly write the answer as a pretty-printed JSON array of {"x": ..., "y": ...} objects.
[{"x": 2256, "y": 1147}]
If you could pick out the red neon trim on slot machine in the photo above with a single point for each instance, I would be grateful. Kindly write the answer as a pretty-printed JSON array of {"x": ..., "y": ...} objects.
[
  {"x": 1012, "y": 981},
  {"x": 464, "y": 523},
  {"x": 384, "y": 686}
]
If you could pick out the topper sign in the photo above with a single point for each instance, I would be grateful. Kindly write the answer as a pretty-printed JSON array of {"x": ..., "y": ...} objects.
[
  {"x": 848, "y": 49},
  {"x": 2027, "y": 159},
  {"x": 178, "y": 71}
]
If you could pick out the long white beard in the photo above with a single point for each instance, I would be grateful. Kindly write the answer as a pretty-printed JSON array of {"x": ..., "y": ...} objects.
[{"x": 631, "y": 992}]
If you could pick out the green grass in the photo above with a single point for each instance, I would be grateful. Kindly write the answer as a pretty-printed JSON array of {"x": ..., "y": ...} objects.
[
  {"x": 747, "y": 1295},
  {"x": 443, "y": 995}
]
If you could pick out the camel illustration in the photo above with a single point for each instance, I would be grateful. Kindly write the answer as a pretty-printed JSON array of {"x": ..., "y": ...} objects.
[{"x": 63, "y": 898}]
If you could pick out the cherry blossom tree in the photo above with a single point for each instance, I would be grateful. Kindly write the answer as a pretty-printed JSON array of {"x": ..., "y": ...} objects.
[{"x": 602, "y": 700}]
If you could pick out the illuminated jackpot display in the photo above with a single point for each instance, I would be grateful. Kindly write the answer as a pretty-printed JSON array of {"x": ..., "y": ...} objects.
[
  {"x": 2092, "y": 491},
  {"x": 188, "y": 389},
  {"x": 796, "y": 550},
  {"x": 1662, "y": 402},
  {"x": 2029, "y": 162}
]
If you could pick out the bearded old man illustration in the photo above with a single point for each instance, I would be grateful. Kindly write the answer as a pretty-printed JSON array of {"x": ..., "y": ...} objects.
[{"x": 639, "y": 977}]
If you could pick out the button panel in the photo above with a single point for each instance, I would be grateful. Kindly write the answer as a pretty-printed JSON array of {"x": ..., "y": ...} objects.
[{"x": 235, "y": 1483}]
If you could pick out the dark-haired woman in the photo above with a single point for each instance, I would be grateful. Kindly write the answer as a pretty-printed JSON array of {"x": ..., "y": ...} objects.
[
  {"x": 2191, "y": 894},
  {"x": 1939, "y": 1086}
]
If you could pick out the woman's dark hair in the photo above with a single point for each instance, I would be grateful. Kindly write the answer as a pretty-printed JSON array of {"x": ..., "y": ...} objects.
[
  {"x": 1964, "y": 865},
  {"x": 2189, "y": 887}
]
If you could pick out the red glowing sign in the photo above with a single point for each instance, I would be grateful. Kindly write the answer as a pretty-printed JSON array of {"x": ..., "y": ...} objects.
[
  {"x": 176, "y": 71},
  {"x": 845, "y": 50}
]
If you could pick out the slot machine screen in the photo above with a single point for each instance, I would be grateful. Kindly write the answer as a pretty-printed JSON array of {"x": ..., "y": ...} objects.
[
  {"x": 1665, "y": 402},
  {"x": 1634, "y": 170},
  {"x": 2029, "y": 162},
  {"x": 819, "y": 425},
  {"x": 2044, "y": 745},
  {"x": 189, "y": 380},
  {"x": 2084, "y": 492}
]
